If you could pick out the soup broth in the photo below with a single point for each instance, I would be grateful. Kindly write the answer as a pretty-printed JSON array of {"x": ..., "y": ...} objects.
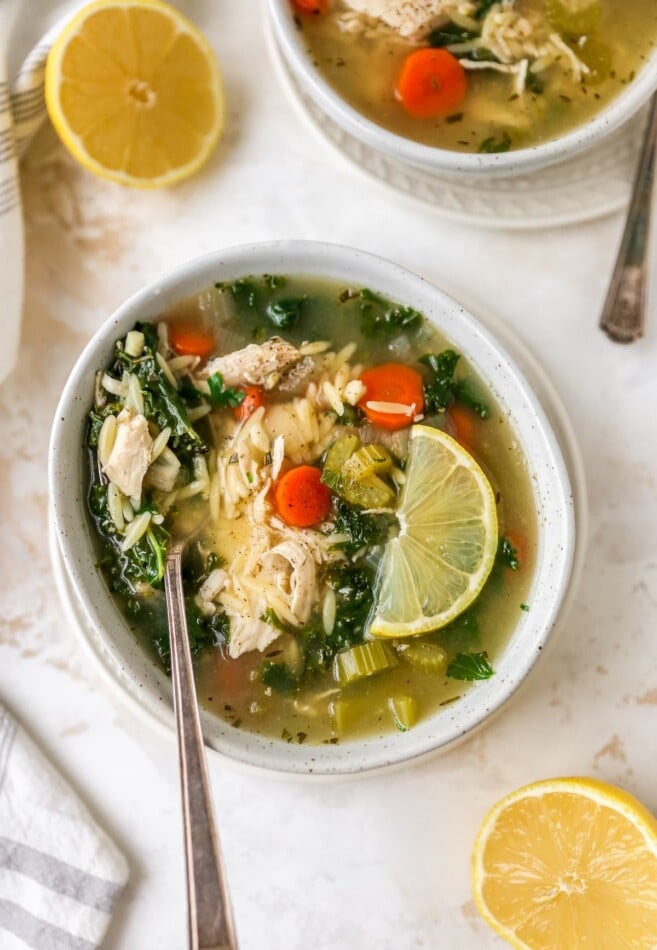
[
  {"x": 266, "y": 662},
  {"x": 548, "y": 67}
]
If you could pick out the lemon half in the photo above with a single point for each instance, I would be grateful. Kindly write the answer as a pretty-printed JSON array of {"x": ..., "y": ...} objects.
[
  {"x": 569, "y": 863},
  {"x": 134, "y": 92},
  {"x": 440, "y": 560}
]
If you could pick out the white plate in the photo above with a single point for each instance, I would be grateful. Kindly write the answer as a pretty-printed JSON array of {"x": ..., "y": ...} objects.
[
  {"x": 589, "y": 185},
  {"x": 162, "y": 716}
]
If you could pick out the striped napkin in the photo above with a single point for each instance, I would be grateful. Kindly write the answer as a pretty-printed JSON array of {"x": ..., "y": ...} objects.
[
  {"x": 22, "y": 111},
  {"x": 60, "y": 875}
]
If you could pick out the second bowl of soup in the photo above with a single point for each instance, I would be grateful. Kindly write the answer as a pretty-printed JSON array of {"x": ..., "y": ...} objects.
[
  {"x": 471, "y": 85},
  {"x": 382, "y": 521}
]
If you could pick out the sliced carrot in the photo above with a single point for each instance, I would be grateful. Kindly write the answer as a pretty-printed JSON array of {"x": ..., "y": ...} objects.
[
  {"x": 189, "y": 339},
  {"x": 393, "y": 383},
  {"x": 253, "y": 399},
  {"x": 311, "y": 6},
  {"x": 463, "y": 424},
  {"x": 301, "y": 498},
  {"x": 431, "y": 83}
]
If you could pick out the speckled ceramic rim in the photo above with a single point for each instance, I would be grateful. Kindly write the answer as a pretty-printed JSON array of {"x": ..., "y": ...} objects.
[
  {"x": 507, "y": 163},
  {"x": 139, "y": 676}
]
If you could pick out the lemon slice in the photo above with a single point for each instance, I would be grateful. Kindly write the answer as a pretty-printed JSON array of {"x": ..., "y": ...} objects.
[
  {"x": 446, "y": 546},
  {"x": 569, "y": 863},
  {"x": 134, "y": 92}
]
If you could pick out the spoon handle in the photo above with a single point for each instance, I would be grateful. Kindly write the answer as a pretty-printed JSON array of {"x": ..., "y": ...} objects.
[
  {"x": 623, "y": 314},
  {"x": 209, "y": 913}
]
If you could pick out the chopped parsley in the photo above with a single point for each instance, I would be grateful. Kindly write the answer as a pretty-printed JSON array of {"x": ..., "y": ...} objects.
[{"x": 470, "y": 666}]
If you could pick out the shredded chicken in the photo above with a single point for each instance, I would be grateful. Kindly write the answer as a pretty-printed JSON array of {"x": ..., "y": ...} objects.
[
  {"x": 258, "y": 364},
  {"x": 131, "y": 453},
  {"x": 412, "y": 19}
]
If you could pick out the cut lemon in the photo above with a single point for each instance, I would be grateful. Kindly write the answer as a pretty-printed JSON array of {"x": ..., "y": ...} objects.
[
  {"x": 134, "y": 92},
  {"x": 446, "y": 545},
  {"x": 569, "y": 863}
]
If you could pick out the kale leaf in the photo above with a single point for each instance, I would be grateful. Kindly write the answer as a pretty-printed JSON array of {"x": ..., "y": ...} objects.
[
  {"x": 378, "y": 317},
  {"x": 439, "y": 391},
  {"x": 470, "y": 666},
  {"x": 363, "y": 529},
  {"x": 285, "y": 313},
  {"x": 280, "y": 677},
  {"x": 443, "y": 390},
  {"x": 354, "y": 591},
  {"x": 163, "y": 404}
]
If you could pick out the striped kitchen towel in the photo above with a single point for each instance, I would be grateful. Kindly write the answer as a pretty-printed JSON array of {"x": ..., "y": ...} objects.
[
  {"x": 60, "y": 875},
  {"x": 22, "y": 111}
]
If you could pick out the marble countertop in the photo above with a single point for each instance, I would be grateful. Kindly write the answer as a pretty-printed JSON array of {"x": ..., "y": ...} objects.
[{"x": 380, "y": 862}]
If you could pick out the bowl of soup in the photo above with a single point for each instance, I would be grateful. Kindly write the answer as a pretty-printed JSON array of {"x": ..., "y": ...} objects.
[
  {"x": 381, "y": 518},
  {"x": 470, "y": 85}
]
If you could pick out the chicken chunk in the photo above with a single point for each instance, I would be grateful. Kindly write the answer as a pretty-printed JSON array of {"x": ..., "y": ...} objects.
[
  {"x": 131, "y": 453},
  {"x": 412, "y": 19},
  {"x": 258, "y": 364}
]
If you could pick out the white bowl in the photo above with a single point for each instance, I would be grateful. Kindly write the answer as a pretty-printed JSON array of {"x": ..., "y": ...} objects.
[
  {"x": 553, "y": 498},
  {"x": 622, "y": 108}
]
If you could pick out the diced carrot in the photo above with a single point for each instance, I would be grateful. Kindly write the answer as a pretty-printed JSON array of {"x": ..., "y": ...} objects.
[
  {"x": 190, "y": 339},
  {"x": 392, "y": 383},
  {"x": 253, "y": 399},
  {"x": 311, "y": 6},
  {"x": 463, "y": 423},
  {"x": 301, "y": 498},
  {"x": 431, "y": 83}
]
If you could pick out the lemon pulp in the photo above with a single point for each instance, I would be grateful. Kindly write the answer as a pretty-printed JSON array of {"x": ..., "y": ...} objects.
[
  {"x": 569, "y": 863},
  {"x": 440, "y": 560},
  {"x": 134, "y": 92}
]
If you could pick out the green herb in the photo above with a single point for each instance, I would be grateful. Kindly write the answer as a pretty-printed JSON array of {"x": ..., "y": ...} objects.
[
  {"x": 524, "y": 607},
  {"x": 380, "y": 318},
  {"x": 442, "y": 389},
  {"x": 279, "y": 676},
  {"x": 449, "y": 35},
  {"x": 470, "y": 666},
  {"x": 363, "y": 529},
  {"x": 507, "y": 554},
  {"x": 491, "y": 145},
  {"x": 285, "y": 313},
  {"x": 223, "y": 395}
]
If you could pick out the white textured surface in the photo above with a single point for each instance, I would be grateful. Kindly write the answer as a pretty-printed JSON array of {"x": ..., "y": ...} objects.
[{"x": 382, "y": 863}]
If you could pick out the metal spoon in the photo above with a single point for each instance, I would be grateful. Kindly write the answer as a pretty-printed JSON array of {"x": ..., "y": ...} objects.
[
  {"x": 623, "y": 314},
  {"x": 210, "y": 919}
]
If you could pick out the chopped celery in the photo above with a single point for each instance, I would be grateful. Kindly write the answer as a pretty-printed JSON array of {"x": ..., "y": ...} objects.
[
  {"x": 336, "y": 457},
  {"x": 370, "y": 492},
  {"x": 360, "y": 661},
  {"x": 347, "y": 713},
  {"x": 368, "y": 460},
  {"x": 404, "y": 711},
  {"x": 427, "y": 656}
]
